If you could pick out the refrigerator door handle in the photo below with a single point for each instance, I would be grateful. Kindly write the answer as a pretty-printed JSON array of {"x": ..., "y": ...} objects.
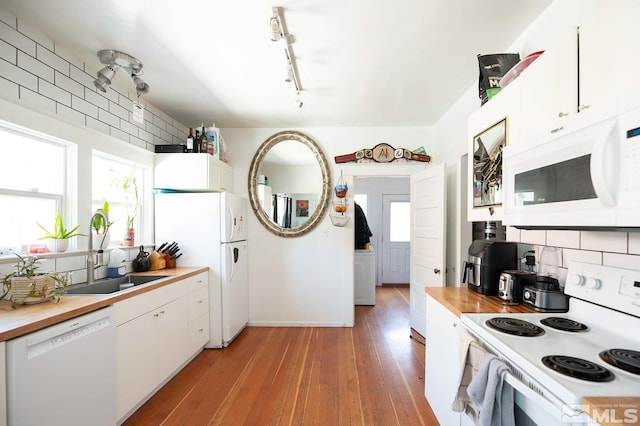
[{"x": 236, "y": 254}]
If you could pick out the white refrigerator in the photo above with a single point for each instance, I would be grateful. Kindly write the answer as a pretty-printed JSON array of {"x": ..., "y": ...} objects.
[{"x": 211, "y": 230}]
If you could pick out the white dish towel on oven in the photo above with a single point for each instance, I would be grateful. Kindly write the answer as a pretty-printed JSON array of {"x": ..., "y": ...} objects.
[{"x": 492, "y": 396}]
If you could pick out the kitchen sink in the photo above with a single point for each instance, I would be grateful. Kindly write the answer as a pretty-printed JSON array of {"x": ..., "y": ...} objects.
[{"x": 113, "y": 285}]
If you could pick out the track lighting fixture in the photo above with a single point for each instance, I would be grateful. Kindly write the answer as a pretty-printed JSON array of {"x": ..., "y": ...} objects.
[
  {"x": 115, "y": 60},
  {"x": 279, "y": 34}
]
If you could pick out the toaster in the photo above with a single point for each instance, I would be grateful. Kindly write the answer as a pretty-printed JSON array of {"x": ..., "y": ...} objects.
[{"x": 511, "y": 284}]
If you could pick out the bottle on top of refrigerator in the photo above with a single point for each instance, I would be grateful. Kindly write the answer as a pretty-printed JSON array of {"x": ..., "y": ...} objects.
[
  {"x": 190, "y": 140},
  {"x": 203, "y": 140},
  {"x": 196, "y": 141}
]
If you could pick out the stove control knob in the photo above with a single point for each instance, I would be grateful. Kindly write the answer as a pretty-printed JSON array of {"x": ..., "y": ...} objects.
[
  {"x": 577, "y": 279},
  {"x": 594, "y": 283}
]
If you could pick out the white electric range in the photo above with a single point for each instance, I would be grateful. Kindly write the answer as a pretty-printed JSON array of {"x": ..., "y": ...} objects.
[{"x": 595, "y": 352}]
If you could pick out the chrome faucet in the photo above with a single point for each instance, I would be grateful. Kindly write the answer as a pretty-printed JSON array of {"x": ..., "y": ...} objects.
[{"x": 92, "y": 263}]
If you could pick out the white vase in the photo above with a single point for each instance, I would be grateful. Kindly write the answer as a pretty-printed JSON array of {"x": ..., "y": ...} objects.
[
  {"x": 58, "y": 245},
  {"x": 97, "y": 239}
]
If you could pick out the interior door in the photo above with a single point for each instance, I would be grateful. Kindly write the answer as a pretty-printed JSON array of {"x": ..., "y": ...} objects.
[
  {"x": 396, "y": 223},
  {"x": 428, "y": 209}
]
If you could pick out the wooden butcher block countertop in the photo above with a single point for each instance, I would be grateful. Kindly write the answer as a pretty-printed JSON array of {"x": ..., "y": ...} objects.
[
  {"x": 27, "y": 318},
  {"x": 461, "y": 300}
]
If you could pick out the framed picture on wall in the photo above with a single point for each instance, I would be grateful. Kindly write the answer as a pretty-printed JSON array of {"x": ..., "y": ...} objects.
[
  {"x": 302, "y": 208},
  {"x": 487, "y": 164}
]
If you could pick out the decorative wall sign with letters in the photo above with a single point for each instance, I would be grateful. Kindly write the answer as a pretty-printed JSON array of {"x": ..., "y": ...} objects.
[{"x": 382, "y": 153}]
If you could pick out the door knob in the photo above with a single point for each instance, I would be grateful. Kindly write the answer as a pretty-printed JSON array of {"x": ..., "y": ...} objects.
[{"x": 436, "y": 271}]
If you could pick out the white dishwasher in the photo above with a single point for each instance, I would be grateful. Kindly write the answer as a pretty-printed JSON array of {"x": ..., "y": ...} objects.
[{"x": 64, "y": 374}]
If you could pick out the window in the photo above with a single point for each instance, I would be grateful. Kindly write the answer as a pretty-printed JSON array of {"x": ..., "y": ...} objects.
[
  {"x": 400, "y": 221},
  {"x": 33, "y": 181},
  {"x": 109, "y": 176}
]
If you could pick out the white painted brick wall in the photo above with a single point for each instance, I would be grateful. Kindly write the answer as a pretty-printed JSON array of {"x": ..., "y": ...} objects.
[{"x": 41, "y": 75}]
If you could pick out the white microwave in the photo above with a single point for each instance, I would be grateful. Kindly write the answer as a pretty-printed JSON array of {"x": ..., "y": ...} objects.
[{"x": 588, "y": 178}]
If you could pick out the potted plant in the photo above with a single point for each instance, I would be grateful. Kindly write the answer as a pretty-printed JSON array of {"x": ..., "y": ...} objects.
[
  {"x": 26, "y": 286},
  {"x": 129, "y": 185},
  {"x": 100, "y": 229},
  {"x": 60, "y": 235}
]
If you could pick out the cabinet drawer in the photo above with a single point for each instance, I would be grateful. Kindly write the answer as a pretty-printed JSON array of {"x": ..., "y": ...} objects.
[
  {"x": 171, "y": 292},
  {"x": 197, "y": 282},
  {"x": 198, "y": 303},
  {"x": 134, "y": 307},
  {"x": 198, "y": 333}
]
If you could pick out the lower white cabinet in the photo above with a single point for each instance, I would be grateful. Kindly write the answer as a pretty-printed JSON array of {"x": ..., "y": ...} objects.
[
  {"x": 155, "y": 337},
  {"x": 442, "y": 361}
]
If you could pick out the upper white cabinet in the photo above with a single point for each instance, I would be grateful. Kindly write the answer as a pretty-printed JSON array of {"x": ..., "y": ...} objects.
[
  {"x": 549, "y": 89},
  {"x": 192, "y": 172},
  {"x": 609, "y": 60},
  {"x": 590, "y": 71}
]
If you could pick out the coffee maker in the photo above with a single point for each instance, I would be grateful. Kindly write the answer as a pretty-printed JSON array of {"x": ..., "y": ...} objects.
[{"x": 487, "y": 259}]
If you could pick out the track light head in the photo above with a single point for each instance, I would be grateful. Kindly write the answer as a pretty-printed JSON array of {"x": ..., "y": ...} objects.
[
  {"x": 141, "y": 86},
  {"x": 105, "y": 75}
]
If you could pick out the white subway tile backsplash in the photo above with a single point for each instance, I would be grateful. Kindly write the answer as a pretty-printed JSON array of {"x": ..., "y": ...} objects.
[
  {"x": 70, "y": 114},
  {"x": 117, "y": 133},
  {"x": 634, "y": 242},
  {"x": 108, "y": 118},
  {"x": 8, "y": 18},
  {"x": 96, "y": 98},
  {"x": 127, "y": 127},
  {"x": 73, "y": 60},
  {"x": 36, "y": 67},
  {"x": 14, "y": 38},
  {"x": 625, "y": 261},
  {"x": 34, "y": 34},
  {"x": 51, "y": 91},
  {"x": 84, "y": 107},
  {"x": 604, "y": 241},
  {"x": 69, "y": 84},
  {"x": 70, "y": 263},
  {"x": 18, "y": 75},
  {"x": 8, "y": 52},
  {"x": 152, "y": 128},
  {"x": 569, "y": 239},
  {"x": 570, "y": 255},
  {"x": 97, "y": 125},
  {"x": 39, "y": 74},
  {"x": 145, "y": 136},
  {"x": 36, "y": 101},
  {"x": 533, "y": 237},
  {"x": 9, "y": 90},
  {"x": 116, "y": 109},
  {"x": 77, "y": 277},
  {"x": 51, "y": 59}
]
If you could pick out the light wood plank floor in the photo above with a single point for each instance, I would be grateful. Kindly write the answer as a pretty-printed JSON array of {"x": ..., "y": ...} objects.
[{"x": 371, "y": 374}]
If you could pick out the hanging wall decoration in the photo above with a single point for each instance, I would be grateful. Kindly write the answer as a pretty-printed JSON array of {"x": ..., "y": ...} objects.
[{"x": 384, "y": 153}]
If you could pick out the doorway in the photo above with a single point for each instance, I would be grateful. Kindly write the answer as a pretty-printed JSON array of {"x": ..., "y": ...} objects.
[
  {"x": 369, "y": 193},
  {"x": 396, "y": 237}
]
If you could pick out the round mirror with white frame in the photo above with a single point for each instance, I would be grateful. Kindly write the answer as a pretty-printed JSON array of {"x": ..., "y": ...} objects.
[{"x": 289, "y": 183}]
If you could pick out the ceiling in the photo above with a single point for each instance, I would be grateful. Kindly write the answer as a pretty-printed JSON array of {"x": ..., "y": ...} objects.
[{"x": 360, "y": 62}]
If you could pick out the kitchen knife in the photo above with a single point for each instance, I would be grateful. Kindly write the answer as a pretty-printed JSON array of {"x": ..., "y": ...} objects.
[
  {"x": 174, "y": 250},
  {"x": 177, "y": 256},
  {"x": 168, "y": 247},
  {"x": 159, "y": 250}
]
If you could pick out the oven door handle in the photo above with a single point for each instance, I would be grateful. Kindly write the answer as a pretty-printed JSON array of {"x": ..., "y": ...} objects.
[{"x": 549, "y": 403}]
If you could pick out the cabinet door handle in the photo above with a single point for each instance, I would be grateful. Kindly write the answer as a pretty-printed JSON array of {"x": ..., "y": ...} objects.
[
  {"x": 156, "y": 315},
  {"x": 436, "y": 271},
  {"x": 562, "y": 114},
  {"x": 162, "y": 312},
  {"x": 583, "y": 107},
  {"x": 200, "y": 301}
]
